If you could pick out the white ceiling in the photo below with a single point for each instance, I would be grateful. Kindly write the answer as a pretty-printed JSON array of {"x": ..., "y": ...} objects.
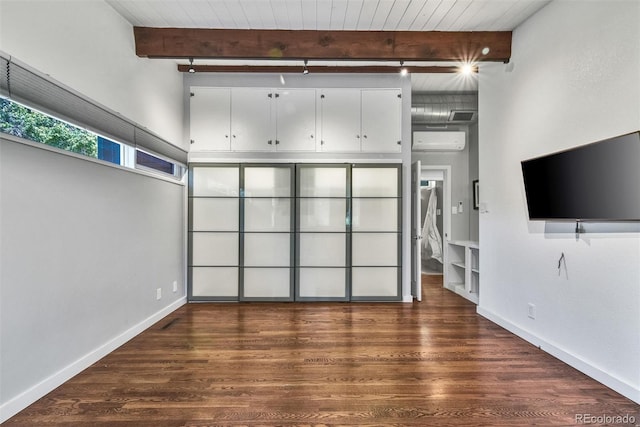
[{"x": 367, "y": 15}]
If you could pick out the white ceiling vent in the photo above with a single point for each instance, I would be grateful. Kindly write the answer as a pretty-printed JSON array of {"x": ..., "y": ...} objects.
[{"x": 438, "y": 141}]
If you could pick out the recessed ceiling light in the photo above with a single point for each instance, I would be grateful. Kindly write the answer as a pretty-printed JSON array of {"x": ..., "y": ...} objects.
[{"x": 486, "y": 50}]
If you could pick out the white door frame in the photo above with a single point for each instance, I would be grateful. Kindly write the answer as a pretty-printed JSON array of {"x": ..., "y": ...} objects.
[{"x": 446, "y": 211}]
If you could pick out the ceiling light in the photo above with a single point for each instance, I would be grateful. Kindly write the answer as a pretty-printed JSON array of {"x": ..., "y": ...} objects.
[
  {"x": 486, "y": 50},
  {"x": 403, "y": 70},
  {"x": 305, "y": 70},
  {"x": 466, "y": 69},
  {"x": 191, "y": 69}
]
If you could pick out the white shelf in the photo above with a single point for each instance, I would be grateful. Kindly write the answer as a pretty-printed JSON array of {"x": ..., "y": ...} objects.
[{"x": 462, "y": 274}]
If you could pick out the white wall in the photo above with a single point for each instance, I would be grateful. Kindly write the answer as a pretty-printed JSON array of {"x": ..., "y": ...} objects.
[
  {"x": 88, "y": 47},
  {"x": 573, "y": 79},
  {"x": 84, "y": 248}
]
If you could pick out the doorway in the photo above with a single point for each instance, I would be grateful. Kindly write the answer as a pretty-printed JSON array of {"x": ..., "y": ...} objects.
[{"x": 431, "y": 195}]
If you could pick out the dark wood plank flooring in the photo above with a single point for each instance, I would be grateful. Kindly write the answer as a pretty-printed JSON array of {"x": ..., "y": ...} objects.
[{"x": 431, "y": 363}]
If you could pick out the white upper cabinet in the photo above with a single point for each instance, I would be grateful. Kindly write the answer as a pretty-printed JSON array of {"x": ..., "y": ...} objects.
[
  {"x": 295, "y": 120},
  {"x": 340, "y": 120},
  {"x": 252, "y": 128},
  {"x": 381, "y": 120},
  {"x": 210, "y": 119}
]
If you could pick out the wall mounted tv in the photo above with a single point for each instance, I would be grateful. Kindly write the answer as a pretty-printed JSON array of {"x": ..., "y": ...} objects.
[{"x": 594, "y": 182}]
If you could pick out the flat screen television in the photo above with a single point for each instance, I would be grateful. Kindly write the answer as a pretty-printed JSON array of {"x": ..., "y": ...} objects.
[{"x": 594, "y": 182}]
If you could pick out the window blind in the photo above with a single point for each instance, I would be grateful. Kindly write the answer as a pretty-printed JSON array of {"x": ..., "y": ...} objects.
[{"x": 24, "y": 85}]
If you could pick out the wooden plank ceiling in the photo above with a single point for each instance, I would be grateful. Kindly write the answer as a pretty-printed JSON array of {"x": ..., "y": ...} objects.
[{"x": 358, "y": 30}]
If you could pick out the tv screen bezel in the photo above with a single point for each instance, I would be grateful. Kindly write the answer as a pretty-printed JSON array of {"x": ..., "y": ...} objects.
[{"x": 571, "y": 219}]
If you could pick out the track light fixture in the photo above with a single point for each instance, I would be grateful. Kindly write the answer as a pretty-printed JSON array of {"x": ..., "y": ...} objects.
[
  {"x": 191, "y": 69},
  {"x": 305, "y": 70},
  {"x": 403, "y": 70}
]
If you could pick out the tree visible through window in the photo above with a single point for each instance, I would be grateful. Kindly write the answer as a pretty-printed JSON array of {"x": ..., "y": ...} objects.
[{"x": 23, "y": 122}]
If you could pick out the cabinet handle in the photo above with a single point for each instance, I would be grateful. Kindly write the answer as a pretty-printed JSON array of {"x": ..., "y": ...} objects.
[
  {"x": 311, "y": 136},
  {"x": 233, "y": 136},
  {"x": 193, "y": 140},
  {"x": 399, "y": 142},
  {"x": 277, "y": 142},
  {"x": 226, "y": 136},
  {"x": 365, "y": 136},
  {"x": 322, "y": 142},
  {"x": 358, "y": 136},
  {"x": 269, "y": 142}
]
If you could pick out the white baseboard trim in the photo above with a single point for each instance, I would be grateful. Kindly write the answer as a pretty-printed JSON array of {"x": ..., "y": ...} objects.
[
  {"x": 21, "y": 401},
  {"x": 572, "y": 360}
]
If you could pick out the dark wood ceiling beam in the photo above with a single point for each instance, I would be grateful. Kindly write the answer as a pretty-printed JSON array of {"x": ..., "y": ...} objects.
[
  {"x": 313, "y": 69},
  {"x": 322, "y": 45}
]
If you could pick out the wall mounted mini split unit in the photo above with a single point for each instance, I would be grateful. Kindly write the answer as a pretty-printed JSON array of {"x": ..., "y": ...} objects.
[{"x": 438, "y": 140}]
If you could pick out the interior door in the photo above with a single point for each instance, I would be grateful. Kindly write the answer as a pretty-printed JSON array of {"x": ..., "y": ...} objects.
[{"x": 416, "y": 233}]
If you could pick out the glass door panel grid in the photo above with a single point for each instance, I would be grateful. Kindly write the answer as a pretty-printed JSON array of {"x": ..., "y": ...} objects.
[
  {"x": 376, "y": 224},
  {"x": 214, "y": 232},
  {"x": 266, "y": 229},
  {"x": 309, "y": 232},
  {"x": 322, "y": 232}
]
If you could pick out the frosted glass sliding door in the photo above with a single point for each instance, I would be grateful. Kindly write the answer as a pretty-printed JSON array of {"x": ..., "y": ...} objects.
[
  {"x": 322, "y": 233},
  {"x": 375, "y": 232},
  {"x": 214, "y": 232},
  {"x": 267, "y": 233}
]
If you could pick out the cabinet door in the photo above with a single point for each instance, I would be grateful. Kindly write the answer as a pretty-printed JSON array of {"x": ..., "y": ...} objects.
[
  {"x": 340, "y": 120},
  {"x": 381, "y": 123},
  {"x": 210, "y": 119},
  {"x": 251, "y": 123},
  {"x": 295, "y": 120}
]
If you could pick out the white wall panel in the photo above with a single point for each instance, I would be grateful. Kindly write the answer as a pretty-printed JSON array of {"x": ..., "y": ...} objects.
[{"x": 572, "y": 79}]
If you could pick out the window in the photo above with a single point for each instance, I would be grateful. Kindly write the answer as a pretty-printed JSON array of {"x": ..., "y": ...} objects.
[{"x": 24, "y": 122}]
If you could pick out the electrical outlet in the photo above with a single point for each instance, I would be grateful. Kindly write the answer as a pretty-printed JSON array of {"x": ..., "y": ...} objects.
[
  {"x": 531, "y": 311},
  {"x": 159, "y": 293},
  {"x": 175, "y": 286}
]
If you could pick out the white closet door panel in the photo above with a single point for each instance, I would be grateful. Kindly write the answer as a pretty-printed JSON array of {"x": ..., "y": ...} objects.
[
  {"x": 374, "y": 215},
  {"x": 374, "y": 281},
  {"x": 323, "y": 182},
  {"x": 215, "y": 214},
  {"x": 216, "y": 181},
  {"x": 214, "y": 248},
  {"x": 322, "y": 250},
  {"x": 322, "y": 215},
  {"x": 267, "y": 283},
  {"x": 296, "y": 120},
  {"x": 267, "y": 214},
  {"x": 210, "y": 119},
  {"x": 374, "y": 182},
  {"x": 381, "y": 120},
  {"x": 267, "y": 249},
  {"x": 267, "y": 182},
  {"x": 322, "y": 283},
  {"x": 251, "y": 122},
  {"x": 340, "y": 120},
  {"x": 374, "y": 249},
  {"x": 214, "y": 281}
]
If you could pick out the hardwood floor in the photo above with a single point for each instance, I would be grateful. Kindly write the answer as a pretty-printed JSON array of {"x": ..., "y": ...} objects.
[{"x": 431, "y": 363}]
